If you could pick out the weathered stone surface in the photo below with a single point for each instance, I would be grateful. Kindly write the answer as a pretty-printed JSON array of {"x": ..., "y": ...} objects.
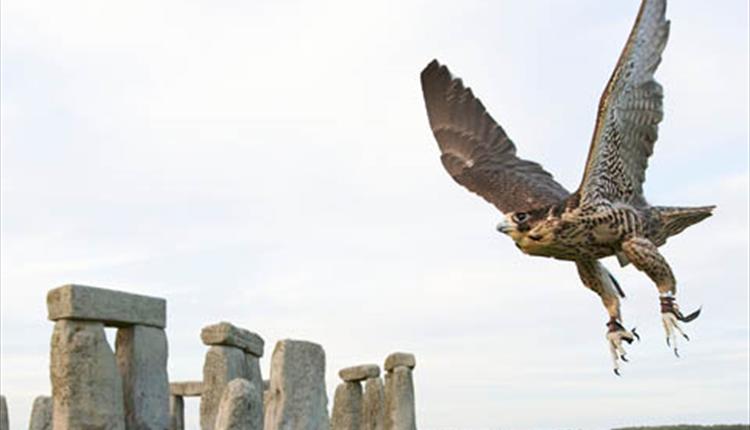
[
  {"x": 347, "y": 407},
  {"x": 239, "y": 406},
  {"x": 4, "y": 421},
  {"x": 266, "y": 400},
  {"x": 176, "y": 413},
  {"x": 399, "y": 400},
  {"x": 227, "y": 334},
  {"x": 399, "y": 359},
  {"x": 41, "y": 414},
  {"x": 113, "y": 308},
  {"x": 256, "y": 379},
  {"x": 373, "y": 405},
  {"x": 266, "y": 396},
  {"x": 359, "y": 373},
  {"x": 298, "y": 399},
  {"x": 142, "y": 358},
  {"x": 222, "y": 364},
  {"x": 86, "y": 384},
  {"x": 186, "y": 388}
]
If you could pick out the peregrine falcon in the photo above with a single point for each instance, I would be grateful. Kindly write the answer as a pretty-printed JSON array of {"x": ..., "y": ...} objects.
[{"x": 608, "y": 214}]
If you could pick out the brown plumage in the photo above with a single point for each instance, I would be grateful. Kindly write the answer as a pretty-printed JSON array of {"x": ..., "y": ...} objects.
[{"x": 608, "y": 214}]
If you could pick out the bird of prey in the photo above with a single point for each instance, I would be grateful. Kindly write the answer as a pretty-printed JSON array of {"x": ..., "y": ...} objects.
[{"x": 608, "y": 214}]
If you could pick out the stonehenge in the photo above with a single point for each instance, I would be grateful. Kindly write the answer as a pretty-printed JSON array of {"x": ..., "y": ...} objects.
[
  {"x": 297, "y": 394},
  {"x": 94, "y": 387},
  {"x": 233, "y": 353},
  {"x": 399, "y": 392},
  {"x": 380, "y": 407},
  {"x": 178, "y": 391},
  {"x": 349, "y": 402},
  {"x": 127, "y": 387}
]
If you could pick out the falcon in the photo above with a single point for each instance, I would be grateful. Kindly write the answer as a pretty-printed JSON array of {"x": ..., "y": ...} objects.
[{"x": 608, "y": 214}]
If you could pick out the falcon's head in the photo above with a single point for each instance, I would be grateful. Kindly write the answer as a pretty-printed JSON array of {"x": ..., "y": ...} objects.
[{"x": 532, "y": 231}]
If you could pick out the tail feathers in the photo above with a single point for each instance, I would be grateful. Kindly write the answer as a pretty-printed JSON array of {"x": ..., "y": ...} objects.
[{"x": 676, "y": 219}]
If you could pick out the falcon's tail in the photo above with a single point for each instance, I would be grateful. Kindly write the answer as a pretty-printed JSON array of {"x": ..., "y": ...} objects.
[{"x": 675, "y": 219}]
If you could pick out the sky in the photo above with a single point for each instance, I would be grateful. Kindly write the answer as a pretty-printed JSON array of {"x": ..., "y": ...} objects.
[{"x": 270, "y": 164}]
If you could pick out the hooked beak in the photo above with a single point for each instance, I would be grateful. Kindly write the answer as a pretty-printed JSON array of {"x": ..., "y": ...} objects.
[{"x": 504, "y": 226}]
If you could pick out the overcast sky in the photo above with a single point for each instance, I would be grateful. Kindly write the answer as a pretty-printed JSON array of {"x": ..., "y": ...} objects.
[{"x": 270, "y": 164}]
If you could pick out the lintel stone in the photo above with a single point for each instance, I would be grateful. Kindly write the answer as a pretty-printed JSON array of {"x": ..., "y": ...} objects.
[
  {"x": 359, "y": 373},
  {"x": 186, "y": 388},
  {"x": 399, "y": 359},
  {"x": 227, "y": 334},
  {"x": 113, "y": 308}
]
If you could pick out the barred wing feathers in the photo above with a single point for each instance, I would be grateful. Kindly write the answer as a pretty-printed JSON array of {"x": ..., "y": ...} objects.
[
  {"x": 630, "y": 110},
  {"x": 477, "y": 153}
]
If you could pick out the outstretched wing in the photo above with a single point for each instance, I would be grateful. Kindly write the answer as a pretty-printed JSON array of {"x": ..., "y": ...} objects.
[
  {"x": 476, "y": 151},
  {"x": 630, "y": 110}
]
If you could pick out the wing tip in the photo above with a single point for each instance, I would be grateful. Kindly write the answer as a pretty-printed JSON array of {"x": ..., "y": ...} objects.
[
  {"x": 431, "y": 67},
  {"x": 436, "y": 72}
]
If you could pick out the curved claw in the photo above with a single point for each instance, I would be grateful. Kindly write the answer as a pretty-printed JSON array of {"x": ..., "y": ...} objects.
[
  {"x": 671, "y": 317},
  {"x": 672, "y": 329},
  {"x": 635, "y": 333},
  {"x": 616, "y": 335},
  {"x": 687, "y": 318}
]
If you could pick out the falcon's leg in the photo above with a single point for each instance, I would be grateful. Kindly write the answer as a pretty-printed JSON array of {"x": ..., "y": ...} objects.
[
  {"x": 646, "y": 257},
  {"x": 596, "y": 277}
]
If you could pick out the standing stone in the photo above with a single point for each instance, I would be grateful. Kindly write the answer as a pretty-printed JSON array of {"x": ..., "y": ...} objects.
[
  {"x": 298, "y": 399},
  {"x": 4, "y": 424},
  {"x": 399, "y": 400},
  {"x": 347, "y": 407},
  {"x": 238, "y": 406},
  {"x": 255, "y": 378},
  {"x": 222, "y": 364},
  {"x": 86, "y": 385},
  {"x": 41, "y": 414},
  {"x": 142, "y": 359},
  {"x": 373, "y": 405},
  {"x": 266, "y": 396},
  {"x": 176, "y": 413}
]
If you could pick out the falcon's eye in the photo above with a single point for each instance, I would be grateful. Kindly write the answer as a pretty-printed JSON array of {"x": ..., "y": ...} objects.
[{"x": 520, "y": 217}]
